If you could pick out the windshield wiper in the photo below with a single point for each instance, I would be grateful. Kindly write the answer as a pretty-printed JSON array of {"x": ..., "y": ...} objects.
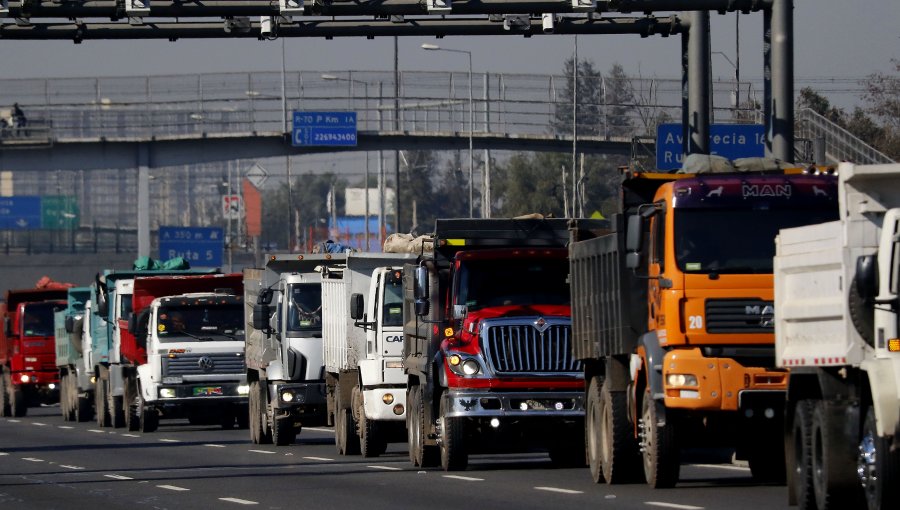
[{"x": 196, "y": 337}]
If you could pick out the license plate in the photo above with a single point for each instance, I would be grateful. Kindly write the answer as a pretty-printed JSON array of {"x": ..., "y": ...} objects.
[{"x": 204, "y": 391}]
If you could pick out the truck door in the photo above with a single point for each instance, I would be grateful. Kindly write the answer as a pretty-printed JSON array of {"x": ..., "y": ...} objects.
[{"x": 391, "y": 314}]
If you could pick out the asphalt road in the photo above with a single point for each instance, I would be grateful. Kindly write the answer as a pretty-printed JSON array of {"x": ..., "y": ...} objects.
[{"x": 46, "y": 463}]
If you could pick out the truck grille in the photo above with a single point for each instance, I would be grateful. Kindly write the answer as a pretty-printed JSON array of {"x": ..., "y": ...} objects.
[
  {"x": 739, "y": 316},
  {"x": 529, "y": 346},
  {"x": 204, "y": 364}
]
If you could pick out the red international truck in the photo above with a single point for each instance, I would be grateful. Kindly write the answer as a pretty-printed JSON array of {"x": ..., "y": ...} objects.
[{"x": 28, "y": 373}]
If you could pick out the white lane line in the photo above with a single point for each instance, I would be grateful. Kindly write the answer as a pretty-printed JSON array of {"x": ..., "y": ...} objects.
[
  {"x": 722, "y": 466},
  {"x": 465, "y": 478},
  {"x": 3, "y": 454},
  {"x": 673, "y": 505},
  {"x": 318, "y": 458},
  {"x": 386, "y": 468},
  {"x": 260, "y": 451},
  {"x": 96, "y": 431},
  {"x": 130, "y": 435},
  {"x": 64, "y": 427},
  {"x": 14, "y": 421},
  {"x": 215, "y": 445},
  {"x": 70, "y": 467},
  {"x": 317, "y": 429},
  {"x": 38, "y": 424},
  {"x": 239, "y": 501},
  {"x": 32, "y": 459},
  {"x": 170, "y": 440},
  {"x": 119, "y": 477},
  {"x": 172, "y": 488},
  {"x": 557, "y": 489}
]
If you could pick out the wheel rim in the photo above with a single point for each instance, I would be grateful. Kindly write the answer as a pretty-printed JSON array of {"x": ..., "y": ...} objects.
[
  {"x": 606, "y": 428},
  {"x": 866, "y": 467},
  {"x": 647, "y": 438}
]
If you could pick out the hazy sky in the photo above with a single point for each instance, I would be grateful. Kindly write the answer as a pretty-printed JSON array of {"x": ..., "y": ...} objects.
[{"x": 834, "y": 38}]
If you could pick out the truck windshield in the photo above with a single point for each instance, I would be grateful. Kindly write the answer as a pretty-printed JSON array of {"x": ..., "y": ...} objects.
[
  {"x": 38, "y": 319},
  {"x": 305, "y": 312},
  {"x": 737, "y": 241},
  {"x": 202, "y": 322},
  {"x": 512, "y": 282},
  {"x": 393, "y": 304}
]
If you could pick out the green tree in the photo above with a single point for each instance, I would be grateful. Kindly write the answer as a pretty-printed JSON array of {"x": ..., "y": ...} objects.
[
  {"x": 589, "y": 100},
  {"x": 308, "y": 197}
]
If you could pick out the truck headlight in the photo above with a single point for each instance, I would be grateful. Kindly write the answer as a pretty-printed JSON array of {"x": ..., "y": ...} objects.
[
  {"x": 388, "y": 398},
  {"x": 681, "y": 380},
  {"x": 470, "y": 367},
  {"x": 287, "y": 396},
  {"x": 243, "y": 389},
  {"x": 167, "y": 392},
  {"x": 25, "y": 378}
]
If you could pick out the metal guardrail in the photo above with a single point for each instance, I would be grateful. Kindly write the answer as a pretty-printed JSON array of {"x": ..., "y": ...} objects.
[{"x": 840, "y": 144}]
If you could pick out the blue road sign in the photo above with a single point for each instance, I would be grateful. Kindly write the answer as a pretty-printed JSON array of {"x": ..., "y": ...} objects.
[
  {"x": 324, "y": 129},
  {"x": 20, "y": 213},
  {"x": 200, "y": 246},
  {"x": 732, "y": 141}
]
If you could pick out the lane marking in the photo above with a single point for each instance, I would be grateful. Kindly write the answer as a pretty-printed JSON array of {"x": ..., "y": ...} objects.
[
  {"x": 318, "y": 458},
  {"x": 239, "y": 501},
  {"x": 70, "y": 467},
  {"x": 64, "y": 427},
  {"x": 215, "y": 445},
  {"x": 172, "y": 488},
  {"x": 96, "y": 431},
  {"x": 38, "y": 424},
  {"x": 317, "y": 429},
  {"x": 14, "y": 421},
  {"x": 3, "y": 454},
  {"x": 557, "y": 489},
  {"x": 130, "y": 435},
  {"x": 170, "y": 440},
  {"x": 673, "y": 505},
  {"x": 722, "y": 466},
  {"x": 32, "y": 459},
  {"x": 386, "y": 468},
  {"x": 119, "y": 477},
  {"x": 260, "y": 451},
  {"x": 466, "y": 478}
]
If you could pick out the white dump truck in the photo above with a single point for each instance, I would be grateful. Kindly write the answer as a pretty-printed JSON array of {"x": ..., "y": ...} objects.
[
  {"x": 362, "y": 328},
  {"x": 836, "y": 329},
  {"x": 285, "y": 367}
]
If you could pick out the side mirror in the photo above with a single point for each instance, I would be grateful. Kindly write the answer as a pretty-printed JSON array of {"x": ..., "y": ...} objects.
[
  {"x": 633, "y": 260},
  {"x": 420, "y": 291},
  {"x": 866, "y": 277},
  {"x": 133, "y": 325},
  {"x": 139, "y": 329},
  {"x": 70, "y": 324},
  {"x": 356, "y": 306},
  {"x": 261, "y": 313},
  {"x": 265, "y": 297},
  {"x": 634, "y": 234},
  {"x": 460, "y": 311}
]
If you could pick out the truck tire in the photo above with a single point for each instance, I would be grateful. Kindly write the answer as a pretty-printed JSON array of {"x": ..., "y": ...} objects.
[
  {"x": 345, "y": 438},
  {"x": 831, "y": 464},
  {"x": 262, "y": 399},
  {"x": 253, "y": 412},
  {"x": 5, "y": 410},
  {"x": 421, "y": 454},
  {"x": 116, "y": 408},
  {"x": 132, "y": 403},
  {"x": 372, "y": 443},
  {"x": 412, "y": 428},
  {"x": 878, "y": 468},
  {"x": 100, "y": 404},
  {"x": 611, "y": 437},
  {"x": 71, "y": 395},
  {"x": 659, "y": 447},
  {"x": 283, "y": 432},
  {"x": 149, "y": 418},
  {"x": 64, "y": 406},
  {"x": 18, "y": 402},
  {"x": 802, "y": 461},
  {"x": 454, "y": 456}
]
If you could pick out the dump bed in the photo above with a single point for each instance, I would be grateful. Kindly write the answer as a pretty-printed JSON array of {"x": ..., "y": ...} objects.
[
  {"x": 608, "y": 303},
  {"x": 345, "y": 344},
  {"x": 815, "y": 266}
]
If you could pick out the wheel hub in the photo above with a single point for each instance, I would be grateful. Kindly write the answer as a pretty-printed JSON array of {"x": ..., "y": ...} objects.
[{"x": 865, "y": 463}]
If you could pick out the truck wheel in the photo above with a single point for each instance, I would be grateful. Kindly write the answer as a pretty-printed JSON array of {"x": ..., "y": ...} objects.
[
  {"x": 877, "y": 467},
  {"x": 371, "y": 444},
  {"x": 345, "y": 437},
  {"x": 4, "y": 394},
  {"x": 18, "y": 402},
  {"x": 132, "y": 403},
  {"x": 802, "y": 461},
  {"x": 100, "y": 404},
  {"x": 71, "y": 395},
  {"x": 253, "y": 412},
  {"x": 148, "y": 418},
  {"x": 116, "y": 409},
  {"x": 660, "y": 451},
  {"x": 830, "y": 463},
  {"x": 454, "y": 456},
  {"x": 283, "y": 431},
  {"x": 412, "y": 427},
  {"x": 64, "y": 397},
  {"x": 619, "y": 455},
  {"x": 265, "y": 431}
]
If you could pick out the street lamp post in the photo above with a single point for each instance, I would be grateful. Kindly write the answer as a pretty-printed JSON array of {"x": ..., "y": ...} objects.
[
  {"x": 434, "y": 47},
  {"x": 366, "y": 106}
]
